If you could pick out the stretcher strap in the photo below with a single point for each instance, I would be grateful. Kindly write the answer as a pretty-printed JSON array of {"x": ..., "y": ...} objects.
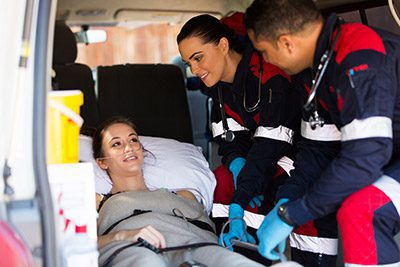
[
  {"x": 115, "y": 254},
  {"x": 157, "y": 251},
  {"x": 135, "y": 212},
  {"x": 200, "y": 224}
]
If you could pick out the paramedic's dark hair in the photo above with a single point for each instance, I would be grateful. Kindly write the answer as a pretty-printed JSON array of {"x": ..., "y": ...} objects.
[
  {"x": 270, "y": 18},
  {"x": 98, "y": 134},
  {"x": 210, "y": 30}
]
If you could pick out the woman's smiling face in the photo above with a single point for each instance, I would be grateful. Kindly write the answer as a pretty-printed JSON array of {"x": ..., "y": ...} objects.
[
  {"x": 122, "y": 151},
  {"x": 206, "y": 60}
]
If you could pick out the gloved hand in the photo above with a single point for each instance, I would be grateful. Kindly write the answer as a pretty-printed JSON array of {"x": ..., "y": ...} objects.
[
  {"x": 236, "y": 227},
  {"x": 235, "y": 167},
  {"x": 272, "y": 233},
  {"x": 256, "y": 201}
]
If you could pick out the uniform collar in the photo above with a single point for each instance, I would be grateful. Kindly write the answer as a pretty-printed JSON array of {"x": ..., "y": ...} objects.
[
  {"x": 324, "y": 38},
  {"x": 241, "y": 72}
]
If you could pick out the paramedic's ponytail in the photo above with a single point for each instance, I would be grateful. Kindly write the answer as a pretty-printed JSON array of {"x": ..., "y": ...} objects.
[{"x": 210, "y": 30}]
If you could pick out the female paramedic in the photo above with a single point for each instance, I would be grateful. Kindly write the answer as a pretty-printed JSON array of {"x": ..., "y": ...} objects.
[
  {"x": 138, "y": 227},
  {"x": 349, "y": 157},
  {"x": 255, "y": 112}
]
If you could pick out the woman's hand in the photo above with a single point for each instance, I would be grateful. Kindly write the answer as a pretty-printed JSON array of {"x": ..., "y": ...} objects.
[{"x": 148, "y": 233}]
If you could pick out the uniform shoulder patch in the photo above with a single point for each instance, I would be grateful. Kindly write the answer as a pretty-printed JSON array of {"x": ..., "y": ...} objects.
[{"x": 357, "y": 37}]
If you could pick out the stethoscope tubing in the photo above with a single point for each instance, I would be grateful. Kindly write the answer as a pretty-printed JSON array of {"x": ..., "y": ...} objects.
[
  {"x": 228, "y": 134},
  {"x": 323, "y": 65}
]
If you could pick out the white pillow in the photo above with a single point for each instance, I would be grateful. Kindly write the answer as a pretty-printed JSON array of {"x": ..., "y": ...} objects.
[{"x": 175, "y": 165}]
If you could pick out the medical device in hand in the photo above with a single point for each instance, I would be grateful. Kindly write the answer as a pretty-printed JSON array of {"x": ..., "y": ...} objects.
[
  {"x": 237, "y": 242},
  {"x": 246, "y": 245}
]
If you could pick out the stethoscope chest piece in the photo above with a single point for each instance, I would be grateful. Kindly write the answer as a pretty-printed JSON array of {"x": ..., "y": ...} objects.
[
  {"x": 228, "y": 136},
  {"x": 315, "y": 120},
  {"x": 311, "y": 103}
]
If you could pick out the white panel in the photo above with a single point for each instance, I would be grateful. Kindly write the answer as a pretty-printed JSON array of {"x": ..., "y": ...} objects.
[
  {"x": 329, "y": 132},
  {"x": 328, "y": 246},
  {"x": 367, "y": 128}
]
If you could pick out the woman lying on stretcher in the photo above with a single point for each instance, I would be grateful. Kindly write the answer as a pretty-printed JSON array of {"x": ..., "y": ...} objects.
[{"x": 138, "y": 227}]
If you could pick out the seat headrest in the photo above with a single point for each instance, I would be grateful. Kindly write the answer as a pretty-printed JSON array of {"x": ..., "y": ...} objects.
[{"x": 64, "y": 47}]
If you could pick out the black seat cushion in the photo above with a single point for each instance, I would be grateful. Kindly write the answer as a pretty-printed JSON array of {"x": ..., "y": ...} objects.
[
  {"x": 152, "y": 95},
  {"x": 74, "y": 76}
]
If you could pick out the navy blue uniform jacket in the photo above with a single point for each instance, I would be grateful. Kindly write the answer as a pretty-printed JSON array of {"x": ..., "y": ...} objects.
[
  {"x": 360, "y": 102},
  {"x": 264, "y": 136}
]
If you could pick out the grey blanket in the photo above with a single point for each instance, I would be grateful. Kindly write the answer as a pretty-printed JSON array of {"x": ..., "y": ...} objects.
[{"x": 177, "y": 231}]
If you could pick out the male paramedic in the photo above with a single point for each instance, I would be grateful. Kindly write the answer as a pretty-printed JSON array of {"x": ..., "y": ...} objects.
[{"x": 348, "y": 161}]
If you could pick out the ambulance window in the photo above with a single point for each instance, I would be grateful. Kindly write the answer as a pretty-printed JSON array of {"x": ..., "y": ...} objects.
[
  {"x": 353, "y": 16},
  {"x": 131, "y": 43},
  {"x": 379, "y": 17}
]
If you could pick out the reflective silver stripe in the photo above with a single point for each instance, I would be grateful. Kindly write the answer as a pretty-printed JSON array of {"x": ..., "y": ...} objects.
[
  {"x": 286, "y": 164},
  {"x": 280, "y": 133},
  {"x": 329, "y": 132},
  {"x": 252, "y": 219},
  {"x": 391, "y": 188},
  {"x": 218, "y": 129},
  {"x": 366, "y": 128},
  {"x": 397, "y": 264},
  {"x": 328, "y": 246}
]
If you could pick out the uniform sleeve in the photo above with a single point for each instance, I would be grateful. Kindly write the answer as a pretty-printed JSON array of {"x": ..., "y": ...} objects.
[
  {"x": 309, "y": 163},
  {"x": 273, "y": 139},
  {"x": 315, "y": 150},
  {"x": 366, "y": 103},
  {"x": 240, "y": 146}
]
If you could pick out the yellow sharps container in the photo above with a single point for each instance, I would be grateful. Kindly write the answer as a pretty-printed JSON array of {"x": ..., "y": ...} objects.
[{"x": 63, "y": 125}]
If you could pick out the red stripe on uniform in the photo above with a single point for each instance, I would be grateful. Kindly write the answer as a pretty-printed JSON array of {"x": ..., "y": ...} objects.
[
  {"x": 307, "y": 229},
  {"x": 233, "y": 114},
  {"x": 307, "y": 88},
  {"x": 279, "y": 171},
  {"x": 356, "y": 37},
  {"x": 355, "y": 218},
  {"x": 323, "y": 104},
  {"x": 360, "y": 67},
  {"x": 256, "y": 118},
  {"x": 319, "y": 100},
  {"x": 340, "y": 102},
  {"x": 269, "y": 70}
]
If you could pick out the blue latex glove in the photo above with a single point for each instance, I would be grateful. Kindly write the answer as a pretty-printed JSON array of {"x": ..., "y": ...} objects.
[
  {"x": 273, "y": 233},
  {"x": 235, "y": 167},
  {"x": 236, "y": 227},
  {"x": 256, "y": 201}
]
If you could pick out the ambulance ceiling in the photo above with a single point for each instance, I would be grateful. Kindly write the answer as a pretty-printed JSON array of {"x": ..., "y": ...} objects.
[{"x": 114, "y": 11}]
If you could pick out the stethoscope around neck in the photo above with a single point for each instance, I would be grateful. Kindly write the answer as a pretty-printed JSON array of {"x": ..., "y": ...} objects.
[
  {"x": 228, "y": 134},
  {"x": 311, "y": 105}
]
